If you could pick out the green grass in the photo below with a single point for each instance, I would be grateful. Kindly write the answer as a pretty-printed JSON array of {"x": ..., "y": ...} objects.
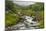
[{"x": 11, "y": 19}]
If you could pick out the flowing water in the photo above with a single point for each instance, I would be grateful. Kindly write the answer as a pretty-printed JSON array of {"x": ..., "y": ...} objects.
[{"x": 27, "y": 24}]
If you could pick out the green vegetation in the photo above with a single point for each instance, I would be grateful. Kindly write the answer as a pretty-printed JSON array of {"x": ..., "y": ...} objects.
[{"x": 12, "y": 17}]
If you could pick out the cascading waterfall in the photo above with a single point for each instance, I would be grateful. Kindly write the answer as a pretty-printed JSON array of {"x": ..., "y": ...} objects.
[{"x": 27, "y": 24}]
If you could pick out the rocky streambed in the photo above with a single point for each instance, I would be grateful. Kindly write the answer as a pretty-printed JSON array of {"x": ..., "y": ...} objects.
[{"x": 26, "y": 24}]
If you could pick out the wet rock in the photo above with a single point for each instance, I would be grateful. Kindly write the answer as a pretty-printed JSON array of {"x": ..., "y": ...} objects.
[{"x": 27, "y": 24}]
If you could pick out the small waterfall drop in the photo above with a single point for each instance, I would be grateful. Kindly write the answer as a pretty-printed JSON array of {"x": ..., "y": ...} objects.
[{"x": 27, "y": 24}]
